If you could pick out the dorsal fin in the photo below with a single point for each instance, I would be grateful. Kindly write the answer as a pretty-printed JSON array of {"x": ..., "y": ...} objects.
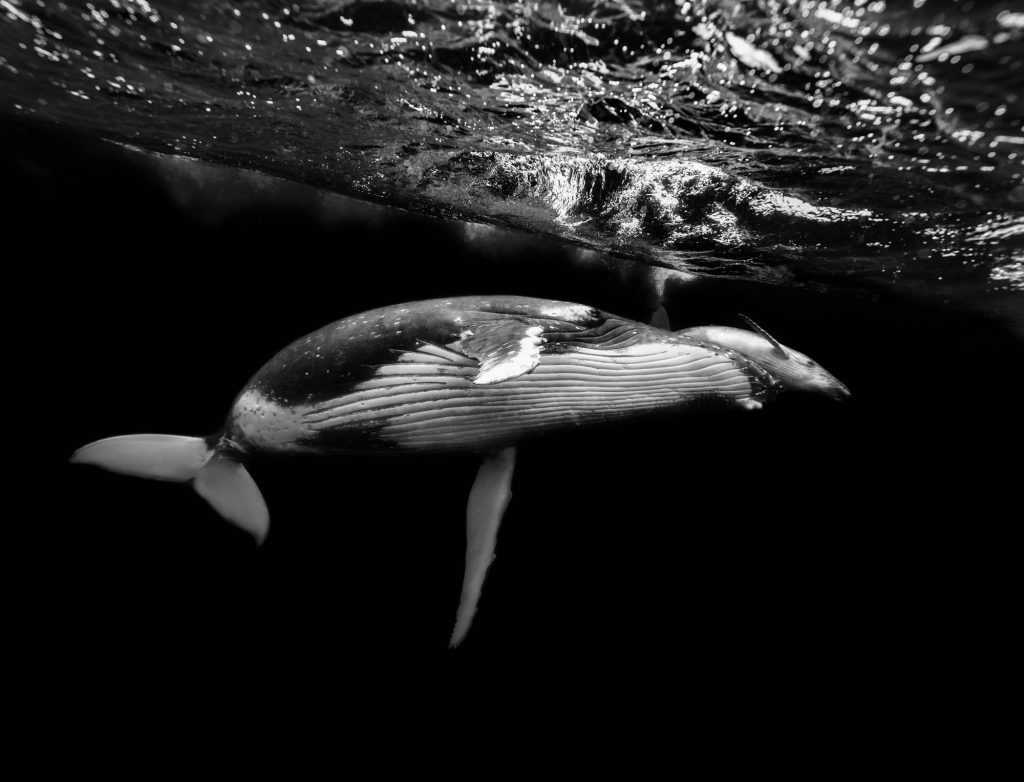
[{"x": 776, "y": 345}]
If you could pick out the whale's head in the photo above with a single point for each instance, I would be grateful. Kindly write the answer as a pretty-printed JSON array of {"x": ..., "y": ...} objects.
[{"x": 791, "y": 368}]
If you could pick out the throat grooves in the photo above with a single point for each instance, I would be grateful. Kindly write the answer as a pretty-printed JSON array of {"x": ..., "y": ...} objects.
[{"x": 422, "y": 410}]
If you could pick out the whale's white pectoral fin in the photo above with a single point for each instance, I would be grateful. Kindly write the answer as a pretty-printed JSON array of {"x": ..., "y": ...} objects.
[
  {"x": 488, "y": 500},
  {"x": 504, "y": 348}
]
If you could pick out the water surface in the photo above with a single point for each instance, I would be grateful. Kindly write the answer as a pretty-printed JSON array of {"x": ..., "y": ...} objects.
[{"x": 855, "y": 145}]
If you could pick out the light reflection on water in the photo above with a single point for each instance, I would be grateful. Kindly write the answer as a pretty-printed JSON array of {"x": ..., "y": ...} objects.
[{"x": 846, "y": 143}]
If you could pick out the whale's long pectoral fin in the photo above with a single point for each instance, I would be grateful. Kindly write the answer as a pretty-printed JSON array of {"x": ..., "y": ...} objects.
[
  {"x": 505, "y": 348},
  {"x": 488, "y": 500}
]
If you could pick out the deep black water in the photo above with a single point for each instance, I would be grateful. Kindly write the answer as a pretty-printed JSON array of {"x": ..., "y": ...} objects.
[{"x": 179, "y": 207}]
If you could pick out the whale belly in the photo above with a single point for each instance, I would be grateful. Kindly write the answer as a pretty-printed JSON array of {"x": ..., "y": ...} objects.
[{"x": 426, "y": 399}]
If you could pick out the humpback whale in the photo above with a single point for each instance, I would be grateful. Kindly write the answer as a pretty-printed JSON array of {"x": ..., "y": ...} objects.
[{"x": 478, "y": 374}]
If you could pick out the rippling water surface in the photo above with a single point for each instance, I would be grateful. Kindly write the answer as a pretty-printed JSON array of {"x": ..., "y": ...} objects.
[{"x": 847, "y": 144}]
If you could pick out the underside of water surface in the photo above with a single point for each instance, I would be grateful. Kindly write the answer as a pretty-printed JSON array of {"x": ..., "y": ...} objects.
[{"x": 850, "y": 145}]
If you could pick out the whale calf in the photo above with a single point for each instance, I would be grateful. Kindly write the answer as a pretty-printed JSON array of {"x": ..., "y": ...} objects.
[{"x": 478, "y": 374}]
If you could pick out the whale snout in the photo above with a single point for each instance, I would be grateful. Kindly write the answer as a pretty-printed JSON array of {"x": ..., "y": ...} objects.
[
  {"x": 814, "y": 379},
  {"x": 798, "y": 373},
  {"x": 838, "y": 391},
  {"x": 801, "y": 373},
  {"x": 790, "y": 368}
]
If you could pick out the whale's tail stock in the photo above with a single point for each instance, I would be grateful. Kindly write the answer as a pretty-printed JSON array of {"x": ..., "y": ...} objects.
[{"x": 218, "y": 478}]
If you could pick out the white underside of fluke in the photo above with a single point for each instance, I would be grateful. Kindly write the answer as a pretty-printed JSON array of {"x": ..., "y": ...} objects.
[
  {"x": 162, "y": 457},
  {"x": 228, "y": 487},
  {"x": 220, "y": 480}
]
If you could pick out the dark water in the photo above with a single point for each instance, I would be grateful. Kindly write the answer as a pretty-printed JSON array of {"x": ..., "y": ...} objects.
[{"x": 850, "y": 177}]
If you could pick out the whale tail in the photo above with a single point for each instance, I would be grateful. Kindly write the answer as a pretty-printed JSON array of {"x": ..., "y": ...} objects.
[{"x": 217, "y": 477}]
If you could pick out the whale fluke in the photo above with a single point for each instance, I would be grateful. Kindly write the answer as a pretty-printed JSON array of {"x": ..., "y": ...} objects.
[
  {"x": 218, "y": 479},
  {"x": 488, "y": 500},
  {"x": 228, "y": 487},
  {"x": 162, "y": 457}
]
